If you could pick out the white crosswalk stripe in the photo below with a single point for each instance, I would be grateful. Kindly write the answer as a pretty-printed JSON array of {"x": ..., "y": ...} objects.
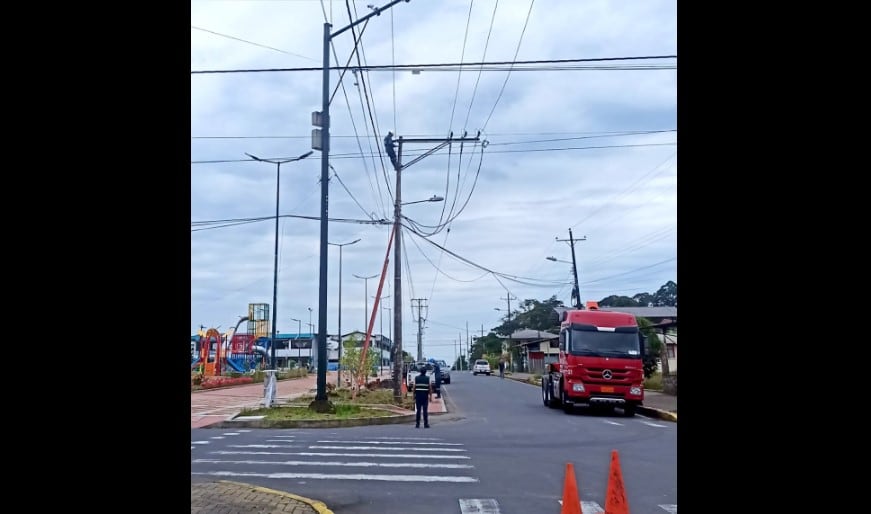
[
  {"x": 402, "y": 459},
  {"x": 479, "y": 506}
]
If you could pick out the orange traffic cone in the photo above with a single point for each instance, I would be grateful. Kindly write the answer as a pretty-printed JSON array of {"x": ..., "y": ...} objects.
[
  {"x": 615, "y": 497},
  {"x": 571, "y": 500},
  {"x": 404, "y": 388}
]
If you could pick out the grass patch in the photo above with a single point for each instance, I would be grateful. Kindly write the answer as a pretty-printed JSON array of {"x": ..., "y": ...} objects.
[
  {"x": 364, "y": 397},
  {"x": 654, "y": 382},
  {"x": 302, "y": 412}
]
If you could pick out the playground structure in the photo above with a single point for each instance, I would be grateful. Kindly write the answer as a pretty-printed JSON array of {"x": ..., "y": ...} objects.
[{"x": 213, "y": 354}]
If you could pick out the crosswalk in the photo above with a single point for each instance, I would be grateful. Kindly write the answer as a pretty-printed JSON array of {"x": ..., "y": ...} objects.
[{"x": 380, "y": 459}]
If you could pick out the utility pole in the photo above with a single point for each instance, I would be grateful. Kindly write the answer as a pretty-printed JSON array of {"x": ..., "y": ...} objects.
[
  {"x": 321, "y": 141},
  {"x": 576, "y": 292},
  {"x": 419, "y": 327},
  {"x": 395, "y": 155}
]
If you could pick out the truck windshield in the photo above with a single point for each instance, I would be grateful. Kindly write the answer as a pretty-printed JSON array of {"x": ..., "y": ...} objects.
[{"x": 587, "y": 340}]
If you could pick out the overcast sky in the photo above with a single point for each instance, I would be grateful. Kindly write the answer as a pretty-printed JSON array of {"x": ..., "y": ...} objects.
[{"x": 586, "y": 146}]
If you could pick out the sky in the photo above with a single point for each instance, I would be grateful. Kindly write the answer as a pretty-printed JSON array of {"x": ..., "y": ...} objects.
[{"x": 587, "y": 147}]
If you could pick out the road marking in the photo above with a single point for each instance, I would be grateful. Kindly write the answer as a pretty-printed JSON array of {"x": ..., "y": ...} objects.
[
  {"x": 325, "y": 454},
  {"x": 389, "y": 442},
  {"x": 291, "y": 436},
  {"x": 476, "y": 506},
  {"x": 246, "y": 430},
  {"x": 217, "y": 437},
  {"x": 192, "y": 447},
  {"x": 231, "y": 433},
  {"x": 394, "y": 448},
  {"x": 613, "y": 423},
  {"x": 322, "y": 463},
  {"x": 671, "y": 509},
  {"x": 589, "y": 507},
  {"x": 265, "y": 446},
  {"x": 410, "y": 438},
  {"x": 200, "y": 442},
  {"x": 654, "y": 424},
  {"x": 327, "y": 476}
]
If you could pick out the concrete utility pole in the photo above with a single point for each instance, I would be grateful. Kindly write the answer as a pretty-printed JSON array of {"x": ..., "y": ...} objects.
[
  {"x": 321, "y": 141},
  {"x": 419, "y": 327},
  {"x": 576, "y": 292},
  {"x": 395, "y": 155},
  {"x": 509, "y": 319}
]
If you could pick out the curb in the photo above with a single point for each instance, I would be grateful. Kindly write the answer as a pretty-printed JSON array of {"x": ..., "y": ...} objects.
[
  {"x": 317, "y": 505},
  {"x": 658, "y": 413}
]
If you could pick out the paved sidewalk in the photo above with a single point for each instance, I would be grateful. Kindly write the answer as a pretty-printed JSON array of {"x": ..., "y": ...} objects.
[{"x": 220, "y": 497}]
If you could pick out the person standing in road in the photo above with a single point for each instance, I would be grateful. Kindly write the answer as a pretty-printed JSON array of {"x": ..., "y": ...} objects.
[
  {"x": 422, "y": 397},
  {"x": 502, "y": 366}
]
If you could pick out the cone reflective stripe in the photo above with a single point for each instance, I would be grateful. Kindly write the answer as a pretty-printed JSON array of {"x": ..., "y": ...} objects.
[
  {"x": 571, "y": 499},
  {"x": 615, "y": 497}
]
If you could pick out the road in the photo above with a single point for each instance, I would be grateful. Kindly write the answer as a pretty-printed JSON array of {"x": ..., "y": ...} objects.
[{"x": 499, "y": 451}]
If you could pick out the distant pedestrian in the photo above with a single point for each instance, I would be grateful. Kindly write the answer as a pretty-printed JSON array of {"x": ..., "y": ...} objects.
[
  {"x": 437, "y": 374},
  {"x": 502, "y": 367},
  {"x": 422, "y": 397}
]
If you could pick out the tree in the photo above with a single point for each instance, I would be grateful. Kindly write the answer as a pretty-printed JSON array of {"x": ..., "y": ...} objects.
[
  {"x": 653, "y": 347},
  {"x": 618, "y": 301},
  {"x": 666, "y": 295},
  {"x": 351, "y": 363}
]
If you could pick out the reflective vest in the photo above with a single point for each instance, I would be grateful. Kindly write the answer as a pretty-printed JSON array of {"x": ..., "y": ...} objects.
[{"x": 421, "y": 384}]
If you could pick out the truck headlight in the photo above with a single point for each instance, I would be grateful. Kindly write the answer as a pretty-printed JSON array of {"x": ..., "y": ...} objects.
[
  {"x": 578, "y": 387},
  {"x": 635, "y": 390}
]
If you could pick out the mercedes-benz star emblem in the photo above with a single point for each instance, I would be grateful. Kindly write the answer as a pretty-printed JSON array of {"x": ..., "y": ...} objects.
[{"x": 606, "y": 374}]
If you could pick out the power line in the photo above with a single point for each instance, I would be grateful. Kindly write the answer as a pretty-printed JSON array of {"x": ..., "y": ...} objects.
[
  {"x": 587, "y": 134},
  {"x": 355, "y": 156},
  {"x": 253, "y": 43},
  {"x": 440, "y": 65}
]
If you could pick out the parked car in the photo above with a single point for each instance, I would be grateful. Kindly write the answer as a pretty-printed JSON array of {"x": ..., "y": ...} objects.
[
  {"x": 446, "y": 372},
  {"x": 481, "y": 366},
  {"x": 414, "y": 370}
]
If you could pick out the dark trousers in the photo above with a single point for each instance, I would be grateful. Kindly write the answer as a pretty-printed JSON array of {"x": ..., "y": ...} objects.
[
  {"x": 421, "y": 403},
  {"x": 438, "y": 388}
]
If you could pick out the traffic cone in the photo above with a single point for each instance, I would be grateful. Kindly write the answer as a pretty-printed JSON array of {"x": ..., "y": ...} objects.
[
  {"x": 615, "y": 497},
  {"x": 404, "y": 388},
  {"x": 571, "y": 500}
]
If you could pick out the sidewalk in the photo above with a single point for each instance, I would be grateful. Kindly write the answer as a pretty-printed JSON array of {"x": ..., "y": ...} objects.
[{"x": 221, "y": 496}]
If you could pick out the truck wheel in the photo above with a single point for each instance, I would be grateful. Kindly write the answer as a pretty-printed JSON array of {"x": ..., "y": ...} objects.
[
  {"x": 629, "y": 410},
  {"x": 545, "y": 394}
]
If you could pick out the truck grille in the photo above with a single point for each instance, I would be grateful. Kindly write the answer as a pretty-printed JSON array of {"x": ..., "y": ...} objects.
[{"x": 618, "y": 376}]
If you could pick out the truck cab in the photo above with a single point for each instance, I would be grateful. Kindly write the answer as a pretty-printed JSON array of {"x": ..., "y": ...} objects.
[{"x": 600, "y": 362}]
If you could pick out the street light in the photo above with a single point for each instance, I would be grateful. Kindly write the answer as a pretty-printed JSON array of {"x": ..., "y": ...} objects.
[
  {"x": 322, "y": 119},
  {"x": 298, "y": 347},
  {"x": 366, "y": 300},
  {"x": 576, "y": 292},
  {"x": 434, "y": 198},
  {"x": 339, "y": 363},
  {"x": 278, "y": 163}
]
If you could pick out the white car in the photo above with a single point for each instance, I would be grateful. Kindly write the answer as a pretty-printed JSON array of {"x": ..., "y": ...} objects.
[{"x": 481, "y": 366}]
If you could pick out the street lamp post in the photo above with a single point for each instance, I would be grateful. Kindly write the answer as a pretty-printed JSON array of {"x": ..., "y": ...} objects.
[
  {"x": 339, "y": 363},
  {"x": 298, "y": 347},
  {"x": 278, "y": 163},
  {"x": 321, "y": 403},
  {"x": 366, "y": 300},
  {"x": 576, "y": 292}
]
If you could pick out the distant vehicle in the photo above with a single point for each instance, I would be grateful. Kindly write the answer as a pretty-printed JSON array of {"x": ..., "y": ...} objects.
[
  {"x": 481, "y": 366},
  {"x": 414, "y": 370},
  {"x": 446, "y": 372}
]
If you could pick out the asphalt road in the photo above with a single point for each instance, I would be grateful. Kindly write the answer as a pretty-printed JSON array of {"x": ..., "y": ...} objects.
[{"x": 499, "y": 450}]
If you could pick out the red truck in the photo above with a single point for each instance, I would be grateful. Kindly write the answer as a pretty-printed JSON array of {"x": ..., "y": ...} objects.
[{"x": 600, "y": 362}]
